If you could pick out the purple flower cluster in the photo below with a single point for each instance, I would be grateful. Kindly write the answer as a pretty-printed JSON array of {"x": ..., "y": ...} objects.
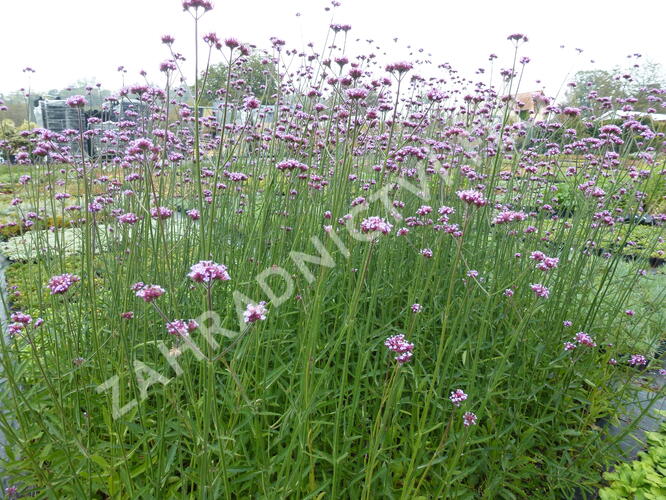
[
  {"x": 148, "y": 293},
  {"x": 181, "y": 328},
  {"x": 472, "y": 197},
  {"x": 540, "y": 290},
  {"x": 255, "y": 312},
  {"x": 545, "y": 263},
  {"x": 61, "y": 283},
  {"x": 375, "y": 224},
  {"x": 208, "y": 271},
  {"x": 76, "y": 101},
  {"x": 399, "y": 345},
  {"x": 457, "y": 397}
]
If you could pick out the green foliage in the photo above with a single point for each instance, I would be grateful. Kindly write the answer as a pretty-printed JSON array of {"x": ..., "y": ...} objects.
[
  {"x": 11, "y": 133},
  {"x": 617, "y": 84},
  {"x": 644, "y": 478},
  {"x": 249, "y": 76}
]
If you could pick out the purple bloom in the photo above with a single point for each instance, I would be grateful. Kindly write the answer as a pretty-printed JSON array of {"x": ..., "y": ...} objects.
[
  {"x": 255, "y": 312},
  {"x": 167, "y": 66},
  {"x": 291, "y": 165},
  {"x": 472, "y": 197},
  {"x": 374, "y": 223},
  {"x": 206, "y": 5},
  {"x": 60, "y": 284},
  {"x": 161, "y": 213},
  {"x": 400, "y": 67},
  {"x": 150, "y": 292},
  {"x": 399, "y": 345},
  {"x": 251, "y": 102},
  {"x": 357, "y": 93},
  {"x": 469, "y": 418},
  {"x": 638, "y": 360},
  {"x": 540, "y": 290},
  {"x": 181, "y": 328},
  {"x": 457, "y": 397},
  {"x": 509, "y": 216},
  {"x": 569, "y": 346},
  {"x": 128, "y": 218},
  {"x": 436, "y": 95},
  {"x": 76, "y": 101},
  {"x": 20, "y": 317},
  {"x": 207, "y": 271},
  {"x": 584, "y": 339}
]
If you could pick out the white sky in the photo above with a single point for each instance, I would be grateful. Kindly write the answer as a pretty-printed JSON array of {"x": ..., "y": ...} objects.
[{"x": 67, "y": 40}]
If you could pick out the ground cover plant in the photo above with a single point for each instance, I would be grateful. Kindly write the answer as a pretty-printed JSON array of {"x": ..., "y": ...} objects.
[
  {"x": 642, "y": 478},
  {"x": 388, "y": 286}
]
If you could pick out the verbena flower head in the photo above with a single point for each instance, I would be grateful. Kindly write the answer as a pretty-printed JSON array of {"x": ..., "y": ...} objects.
[
  {"x": 150, "y": 292},
  {"x": 292, "y": 165},
  {"x": 208, "y": 271},
  {"x": 457, "y": 397},
  {"x": 517, "y": 37},
  {"x": 251, "y": 102},
  {"x": 358, "y": 93},
  {"x": 20, "y": 317},
  {"x": 584, "y": 339},
  {"x": 540, "y": 290},
  {"x": 167, "y": 66},
  {"x": 206, "y": 5},
  {"x": 469, "y": 419},
  {"x": 128, "y": 218},
  {"x": 374, "y": 224},
  {"x": 161, "y": 213},
  {"x": 399, "y": 345},
  {"x": 569, "y": 346},
  {"x": 255, "y": 312},
  {"x": 472, "y": 197},
  {"x": 638, "y": 360},
  {"x": 181, "y": 328},
  {"x": 76, "y": 101},
  {"x": 399, "y": 67},
  {"x": 509, "y": 216},
  {"x": 61, "y": 283}
]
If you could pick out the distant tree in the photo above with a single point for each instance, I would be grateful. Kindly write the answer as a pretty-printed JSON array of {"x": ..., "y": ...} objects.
[
  {"x": 604, "y": 83},
  {"x": 10, "y": 136},
  {"x": 617, "y": 83},
  {"x": 248, "y": 76},
  {"x": 16, "y": 111},
  {"x": 646, "y": 77}
]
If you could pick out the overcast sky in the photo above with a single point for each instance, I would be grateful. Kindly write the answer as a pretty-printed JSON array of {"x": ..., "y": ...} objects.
[{"x": 68, "y": 40}]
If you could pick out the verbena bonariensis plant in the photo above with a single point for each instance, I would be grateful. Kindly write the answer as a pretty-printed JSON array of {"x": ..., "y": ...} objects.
[{"x": 383, "y": 286}]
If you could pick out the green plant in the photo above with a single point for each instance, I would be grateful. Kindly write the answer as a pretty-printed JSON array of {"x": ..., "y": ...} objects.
[{"x": 643, "y": 478}]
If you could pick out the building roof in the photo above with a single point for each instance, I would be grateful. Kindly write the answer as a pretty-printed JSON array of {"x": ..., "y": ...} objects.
[{"x": 610, "y": 115}]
